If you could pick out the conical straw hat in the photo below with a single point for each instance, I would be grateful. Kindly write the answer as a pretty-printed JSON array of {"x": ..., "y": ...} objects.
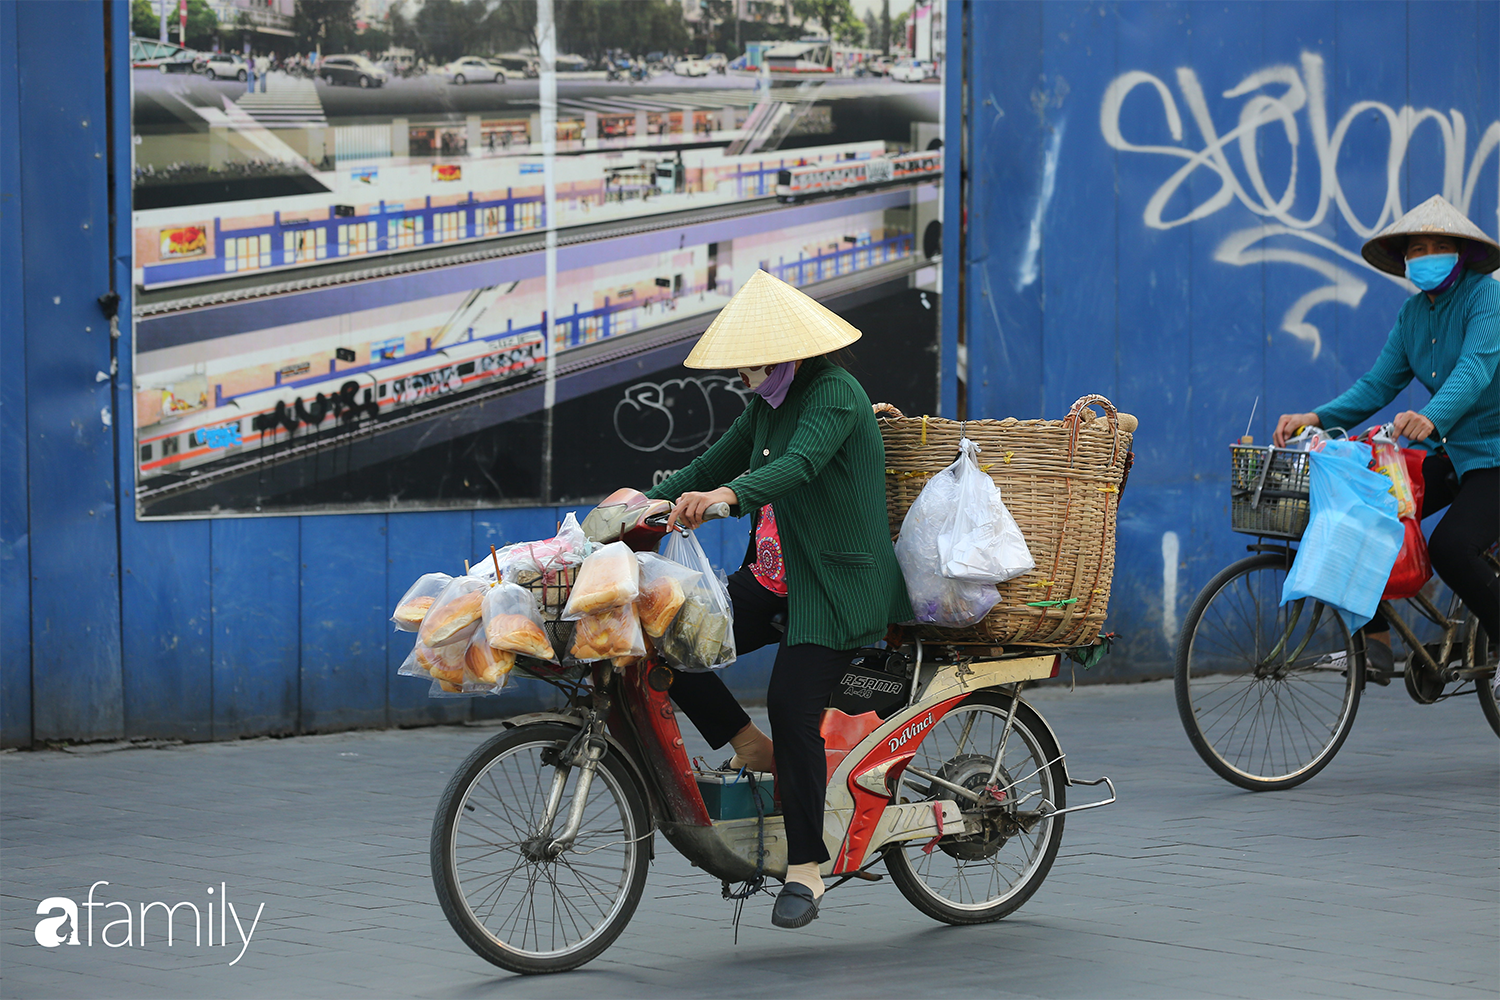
[
  {"x": 1435, "y": 216},
  {"x": 768, "y": 322}
]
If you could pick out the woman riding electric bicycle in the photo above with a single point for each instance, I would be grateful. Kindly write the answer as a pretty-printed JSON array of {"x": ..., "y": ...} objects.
[{"x": 806, "y": 456}]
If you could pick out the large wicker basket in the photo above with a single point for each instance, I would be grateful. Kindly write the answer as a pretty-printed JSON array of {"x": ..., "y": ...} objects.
[{"x": 1061, "y": 480}]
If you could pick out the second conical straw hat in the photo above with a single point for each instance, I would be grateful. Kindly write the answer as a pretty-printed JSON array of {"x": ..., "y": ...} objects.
[
  {"x": 768, "y": 322},
  {"x": 1436, "y": 216}
]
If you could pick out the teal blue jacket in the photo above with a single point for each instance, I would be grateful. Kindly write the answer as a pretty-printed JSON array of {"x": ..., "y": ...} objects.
[{"x": 1452, "y": 347}]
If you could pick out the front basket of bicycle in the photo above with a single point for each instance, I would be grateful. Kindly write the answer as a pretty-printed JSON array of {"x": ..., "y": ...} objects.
[{"x": 1268, "y": 491}]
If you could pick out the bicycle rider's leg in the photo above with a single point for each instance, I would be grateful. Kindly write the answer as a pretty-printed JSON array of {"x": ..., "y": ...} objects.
[
  {"x": 801, "y": 681},
  {"x": 703, "y": 697},
  {"x": 1459, "y": 541}
]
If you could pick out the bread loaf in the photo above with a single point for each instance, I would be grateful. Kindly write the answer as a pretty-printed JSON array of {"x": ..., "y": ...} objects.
[
  {"x": 444, "y": 625},
  {"x": 606, "y": 635},
  {"x": 518, "y": 634},
  {"x": 443, "y": 663},
  {"x": 658, "y": 604},
  {"x": 410, "y": 614},
  {"x": 607, "y": 579},
  {"x": 486, "y": 664}
]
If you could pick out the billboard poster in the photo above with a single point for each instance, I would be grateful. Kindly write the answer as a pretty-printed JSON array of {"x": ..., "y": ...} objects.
[{"x": 363, "y": 274}]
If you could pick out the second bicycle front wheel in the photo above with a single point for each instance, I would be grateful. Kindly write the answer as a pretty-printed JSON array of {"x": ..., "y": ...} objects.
[{"x": 1266, "y": 693}]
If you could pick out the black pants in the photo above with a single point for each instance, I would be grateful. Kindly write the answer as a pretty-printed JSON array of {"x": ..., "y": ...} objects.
[
  {"x": 1457, "y": 545},
  {"x": 801, "y": 681}
]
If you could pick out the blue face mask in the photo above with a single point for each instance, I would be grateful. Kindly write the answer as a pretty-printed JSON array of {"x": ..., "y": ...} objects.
[{"x": 1428, "y": 272}]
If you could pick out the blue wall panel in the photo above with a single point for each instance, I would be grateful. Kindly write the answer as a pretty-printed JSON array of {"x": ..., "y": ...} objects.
[
  {"x": 75, "y": 615},
  {"x": 505, "y": 527},
  {"x": 15, "y": 568},
  {"x": 1117, "y": 241},
  {"x": 343, "y": 652},
  {"x": 1002, "y": 296},
  {"x": 1216, "y": 151},
  {"x": 418, "y": 544},
  {"x": 166, "y": 599},
  {"x": 256, "y": 626}
]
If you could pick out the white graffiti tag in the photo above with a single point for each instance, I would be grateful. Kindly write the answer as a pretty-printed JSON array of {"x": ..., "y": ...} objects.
[
  {"x": 678, "y": 414},
  {"x": 1275, "y": 97}
]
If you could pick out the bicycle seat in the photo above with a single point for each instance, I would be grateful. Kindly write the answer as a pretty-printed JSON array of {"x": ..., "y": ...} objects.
[{"x": 778, "y": 622}]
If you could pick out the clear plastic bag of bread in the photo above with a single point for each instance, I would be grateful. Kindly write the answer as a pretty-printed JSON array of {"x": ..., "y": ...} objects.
[
  {"x": 486, "y": 669},
  {"x": 513, "y": 623},
  {"x": 609, "y": 578},
  {"x": 608, "y": 635},
  {"x": 664, "y": 588},
  {"x": 455, "y": 613},
  {"x": 701, "y": 636},
  {"x": 441, "y": 663},
  {"x": 418, "y": 600}
]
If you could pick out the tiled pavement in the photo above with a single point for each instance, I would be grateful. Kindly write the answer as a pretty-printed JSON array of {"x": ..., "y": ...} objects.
[{"x": 1377, "y": 878}]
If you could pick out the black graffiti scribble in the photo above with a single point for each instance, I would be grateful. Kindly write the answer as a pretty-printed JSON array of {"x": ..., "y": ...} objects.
[
  {"x": 347, "y": 407},
  {"x": 678, "y": 415}
]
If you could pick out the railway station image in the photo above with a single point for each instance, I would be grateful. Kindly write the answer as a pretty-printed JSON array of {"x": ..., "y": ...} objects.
[{"x": 762, "y": 498}]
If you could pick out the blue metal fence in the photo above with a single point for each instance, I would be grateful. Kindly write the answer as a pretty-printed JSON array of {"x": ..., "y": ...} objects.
[{"x": 1164, "y": 204}]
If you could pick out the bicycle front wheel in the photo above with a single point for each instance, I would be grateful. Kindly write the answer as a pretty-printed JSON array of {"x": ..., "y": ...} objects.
[
  {"x": 1266, "y": 693},
  {"x": 508, "y": 898}
]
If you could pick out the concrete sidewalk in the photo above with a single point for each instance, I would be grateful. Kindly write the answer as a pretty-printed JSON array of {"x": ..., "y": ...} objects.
[{"x": 1377, "y": 878}]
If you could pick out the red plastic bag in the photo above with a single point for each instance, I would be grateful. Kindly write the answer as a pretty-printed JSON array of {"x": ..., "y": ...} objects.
[{"x": 1413, "y": 567}]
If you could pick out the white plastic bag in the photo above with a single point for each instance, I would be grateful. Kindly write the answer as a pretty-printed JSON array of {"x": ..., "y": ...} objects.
[
  {"x": 701, "y": 636},
  {"x": 981, "y": 543},
  {"x": 935, "y": 598}
]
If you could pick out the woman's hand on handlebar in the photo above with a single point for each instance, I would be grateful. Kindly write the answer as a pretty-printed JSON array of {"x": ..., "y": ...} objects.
[
  {"x": 691, "y": 507},
  {"x": 1290, "y": 423},
  {"x": 1413, "y": 426}
]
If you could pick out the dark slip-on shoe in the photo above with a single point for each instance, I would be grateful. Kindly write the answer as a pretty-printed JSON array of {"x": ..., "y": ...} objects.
[{"x": 795, "y": 906}]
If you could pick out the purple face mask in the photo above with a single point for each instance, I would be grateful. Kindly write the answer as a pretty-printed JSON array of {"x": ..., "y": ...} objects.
[{"x": 774, "y": 385}]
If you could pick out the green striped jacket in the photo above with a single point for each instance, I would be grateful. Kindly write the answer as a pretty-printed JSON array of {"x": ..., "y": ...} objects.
[{"x": 820, "y": 460}]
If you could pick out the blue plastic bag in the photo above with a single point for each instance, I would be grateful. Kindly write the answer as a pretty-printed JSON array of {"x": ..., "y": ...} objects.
[{"x": 1353, "y": 535}]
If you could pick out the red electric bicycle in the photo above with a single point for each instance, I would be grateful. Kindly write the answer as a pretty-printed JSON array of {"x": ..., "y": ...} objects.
[{"x": 544, "y": 834}]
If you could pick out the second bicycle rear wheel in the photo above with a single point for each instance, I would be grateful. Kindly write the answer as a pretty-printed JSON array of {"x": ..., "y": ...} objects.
[{"x": 1266, "y": 693}]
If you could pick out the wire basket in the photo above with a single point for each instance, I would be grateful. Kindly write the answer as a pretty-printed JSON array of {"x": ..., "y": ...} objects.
[
  {"x": 551, "y": 591},
  {"x": 1268, "y": 491}
]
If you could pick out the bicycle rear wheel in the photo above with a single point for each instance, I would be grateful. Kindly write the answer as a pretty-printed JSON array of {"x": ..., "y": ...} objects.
[
  {"x": 977, "y": 878},
  {"x": 1266, "y": 693}
]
